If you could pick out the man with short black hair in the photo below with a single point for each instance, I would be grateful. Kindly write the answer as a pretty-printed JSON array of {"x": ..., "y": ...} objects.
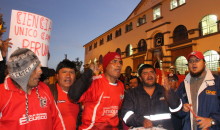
[
  {"x": 66, "y": 75},
  {"x": 150, "y": 104},
  {"x": 200, "y": 93}
]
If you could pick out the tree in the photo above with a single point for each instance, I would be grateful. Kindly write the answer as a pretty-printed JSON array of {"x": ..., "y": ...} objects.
[
  {"x": 78, "y": 63},
  {"x": 78, "y": 66}
]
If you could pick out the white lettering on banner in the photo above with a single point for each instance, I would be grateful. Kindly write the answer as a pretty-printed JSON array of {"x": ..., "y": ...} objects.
[
  {"x": 157, "y": 117},
  {"x": 110, "y": 111},
  {"x": 33, "y": 20},
  {"x": 32, "y": 31},
  {"x": 34, "y": 117}
]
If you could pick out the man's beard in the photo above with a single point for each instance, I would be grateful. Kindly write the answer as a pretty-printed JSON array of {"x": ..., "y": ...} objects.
[
  {"x": 198, "y": 73},
  {"x": 149, "y": 85}
]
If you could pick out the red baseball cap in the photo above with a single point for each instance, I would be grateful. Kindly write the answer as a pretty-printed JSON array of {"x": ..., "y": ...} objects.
[{"x": 197, "y": 54}]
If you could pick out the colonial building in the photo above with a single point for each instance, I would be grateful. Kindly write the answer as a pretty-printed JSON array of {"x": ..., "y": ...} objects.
[{"x": 162, "y": 33}]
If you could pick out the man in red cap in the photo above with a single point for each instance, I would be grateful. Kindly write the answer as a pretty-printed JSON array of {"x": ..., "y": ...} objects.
[
  {"x": 200, "y": 95},
  {"x": 100, "y": 95}
]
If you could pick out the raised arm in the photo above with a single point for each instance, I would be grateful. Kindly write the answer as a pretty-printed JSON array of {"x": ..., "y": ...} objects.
[{"x": 80, "y": 86}]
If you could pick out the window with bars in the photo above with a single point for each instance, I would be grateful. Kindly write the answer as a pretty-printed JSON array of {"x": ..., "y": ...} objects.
[
  {"x": 208, "y": 25},
  {"x": 212, "y": 60},
  {"x": 141, "y": 20},
  {"x": 101, "y": 42},
  {"x": 95, "y": 45},
  {"x": 180, "y": 64},
  {"x": 176, "y": 3},
  {"x": 129, "y": 50},
  {"x": 128, "y": 27},
  {"x": 109, "y": 37},
  {"x": 156, "y": 12},
  {"x": 90, "y": 47},
  {"x": 118, "y": 32}
]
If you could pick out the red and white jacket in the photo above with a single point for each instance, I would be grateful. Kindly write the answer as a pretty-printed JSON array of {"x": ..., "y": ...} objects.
[
  {"x": 13, "y": 109},
  {"x": 68, "y": 110},
  {"x": 101, "y": 103}
]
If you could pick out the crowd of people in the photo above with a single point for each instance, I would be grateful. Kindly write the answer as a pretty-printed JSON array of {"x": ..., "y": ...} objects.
[{"x": 102, "y": 99}]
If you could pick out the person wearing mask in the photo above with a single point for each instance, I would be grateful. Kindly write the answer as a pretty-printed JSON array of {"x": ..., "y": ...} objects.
[
  {"x": 66, "y": 75},
  {"x": 100, "y": 95},
  {"x": 200, "y": 93},
  {"x": 150, "y": 105},
  {"x": 26, "y": 103}
]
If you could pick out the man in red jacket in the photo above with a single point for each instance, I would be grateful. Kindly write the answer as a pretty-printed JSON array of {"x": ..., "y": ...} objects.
[
  {"x": 26, "y": 103},
  {"x": 66, "y": 75},
  {"x": 103, "y": 97}
]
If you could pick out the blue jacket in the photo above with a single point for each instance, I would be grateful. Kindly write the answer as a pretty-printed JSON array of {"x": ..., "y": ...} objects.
[{"x": 208, "y": 100}]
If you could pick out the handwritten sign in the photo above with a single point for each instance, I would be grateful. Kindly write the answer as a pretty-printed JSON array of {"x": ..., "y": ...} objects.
[{"x": 32, "y": 31}]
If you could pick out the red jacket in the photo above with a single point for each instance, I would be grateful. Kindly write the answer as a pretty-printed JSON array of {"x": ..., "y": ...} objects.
[
  {"x": 101, "y": 104},
  {"x": 13, "y": 109},
  {"x": 68, "y": 110}
]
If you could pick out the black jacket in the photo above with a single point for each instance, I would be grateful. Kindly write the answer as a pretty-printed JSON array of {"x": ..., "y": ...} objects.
[
  {"x": 139, "y": 104},
  {"x": 80, "y": 86},
  {"x": 2, "y": 70}
]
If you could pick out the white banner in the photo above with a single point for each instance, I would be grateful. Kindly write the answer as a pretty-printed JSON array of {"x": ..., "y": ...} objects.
[
  {"x": 142, "y": 128},
  {"x": 32, "y": 31}
]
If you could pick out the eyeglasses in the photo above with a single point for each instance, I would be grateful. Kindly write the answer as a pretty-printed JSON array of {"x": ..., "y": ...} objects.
[{"x": 194, "y": 61}]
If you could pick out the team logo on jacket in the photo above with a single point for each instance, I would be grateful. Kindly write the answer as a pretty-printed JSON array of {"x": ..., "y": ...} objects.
[
  {"x": 34, "y": 117},
  {"x": 121, "y": 97},
  {"x": 43, "y": 102},
  {"x": 209, "y": 92},
  {"x": 110, "y": 111}
]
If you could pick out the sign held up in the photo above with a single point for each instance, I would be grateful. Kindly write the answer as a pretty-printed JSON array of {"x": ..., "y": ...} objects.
[{"x": 32, "y": 31}]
